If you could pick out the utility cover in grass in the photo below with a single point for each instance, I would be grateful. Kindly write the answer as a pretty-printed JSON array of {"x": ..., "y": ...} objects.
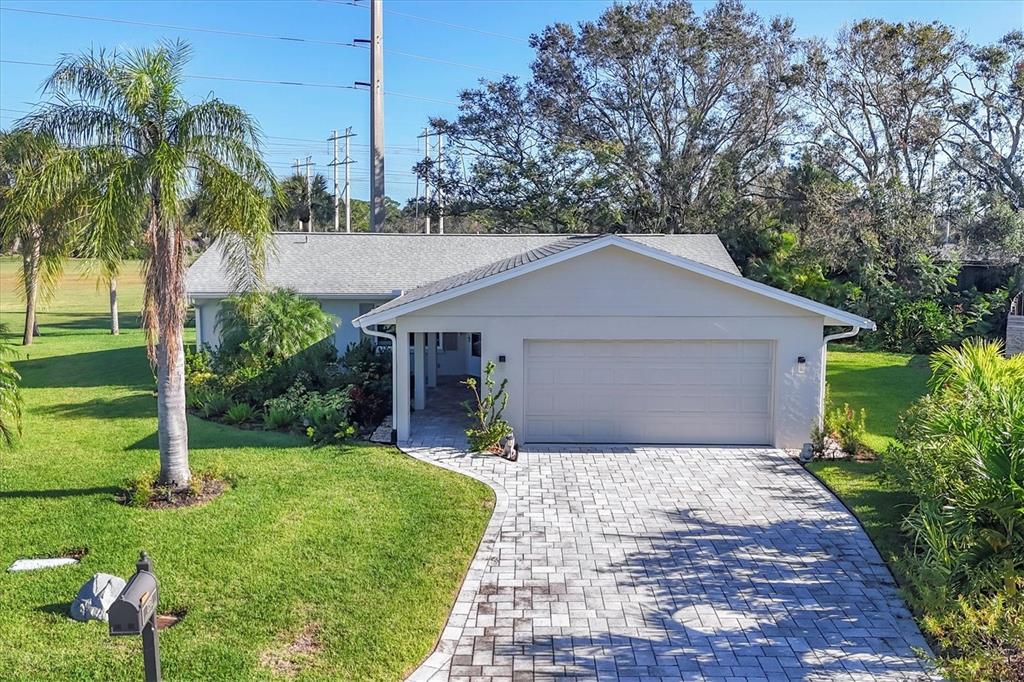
[
  {"x": 96, "y": 596},
  {"x": 33, "y": 564}
]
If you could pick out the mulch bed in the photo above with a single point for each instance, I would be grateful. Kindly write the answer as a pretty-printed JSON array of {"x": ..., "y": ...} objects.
[
  {"x": 209, "y": 488},
  {"x": 165, "y": 497}
]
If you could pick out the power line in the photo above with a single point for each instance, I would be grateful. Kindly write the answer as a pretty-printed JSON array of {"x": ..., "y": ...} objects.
[
  {"x": 309, "y": 139},
  {"x": 196, "y": 29},
  {"x": 260, "y": 81},
  {"x": 244, "y": 34},
  {"x": 437, "y": 60},
  {"x": 431, "y": 20}
]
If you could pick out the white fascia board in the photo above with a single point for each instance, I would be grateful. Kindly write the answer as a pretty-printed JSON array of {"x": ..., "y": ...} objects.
[{"x": 833, "y": 316}]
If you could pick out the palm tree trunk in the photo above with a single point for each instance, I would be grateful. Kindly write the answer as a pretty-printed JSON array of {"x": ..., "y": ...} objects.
[
  {"x": 115, "y": 323},
  {"x": 172, "y": 426},
  {"x": 30, "y": 268},
  {"x": 166, "y": 290}
]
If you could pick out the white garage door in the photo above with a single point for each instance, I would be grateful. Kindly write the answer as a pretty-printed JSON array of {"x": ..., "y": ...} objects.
[{"x": 712, "y": 392}]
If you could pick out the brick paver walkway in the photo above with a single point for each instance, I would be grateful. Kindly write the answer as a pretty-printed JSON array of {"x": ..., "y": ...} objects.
[{"x": 668, "y": 563}]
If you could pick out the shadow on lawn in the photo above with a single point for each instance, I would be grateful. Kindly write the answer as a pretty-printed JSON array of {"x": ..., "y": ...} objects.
[
  {"x": 58, "y": 493},
  {"x": 78, "y": 322},
  {"x": 789, "y": 599},
  {"x": 204, "y": 435},
  {"x": 122, "y": 367},
  {"x": 56, "y": 609},
  {"x": 137, "y": 406}
]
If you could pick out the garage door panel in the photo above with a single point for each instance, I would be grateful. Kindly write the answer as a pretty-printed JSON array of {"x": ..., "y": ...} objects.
[{"x": 649, "y": 391}]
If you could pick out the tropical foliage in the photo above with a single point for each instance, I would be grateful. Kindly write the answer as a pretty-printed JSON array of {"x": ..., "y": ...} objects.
[
  {"x": 134, "y": 152},
  {"x": 313, "y": 392},
  {"x": 11, "y": 402},
  {"x": 961, "y": 452},
  {"x": 271, "y": 326},
  {"x": 829, "y": 167},
  {"x": 302, "y": 209},
  {"x": 484, "y": 410},
  {"x": 32, "y": 221}
]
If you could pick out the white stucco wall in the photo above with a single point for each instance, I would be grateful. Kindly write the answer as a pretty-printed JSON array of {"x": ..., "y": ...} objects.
[{"x": 616, "y": 294}]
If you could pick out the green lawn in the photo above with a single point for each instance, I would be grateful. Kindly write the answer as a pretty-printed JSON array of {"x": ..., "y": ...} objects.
[
  {"x": 885, "y": 384},
  {"x": 360, "y": 544}
]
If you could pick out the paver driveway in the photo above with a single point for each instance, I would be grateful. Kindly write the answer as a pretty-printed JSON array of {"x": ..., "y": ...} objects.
[{"x": 669, "y": 563}]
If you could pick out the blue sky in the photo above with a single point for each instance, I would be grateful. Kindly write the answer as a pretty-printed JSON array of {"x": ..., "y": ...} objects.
[{"x": 297, "y": 120}]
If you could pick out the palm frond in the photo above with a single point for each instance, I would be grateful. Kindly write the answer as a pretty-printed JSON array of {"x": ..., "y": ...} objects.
[
  {"x": 237, "y": 214},
  {"x": 11, "y": 400},
  {"x": 89, "y": 76},
  {"x": 81, "y": 123}
]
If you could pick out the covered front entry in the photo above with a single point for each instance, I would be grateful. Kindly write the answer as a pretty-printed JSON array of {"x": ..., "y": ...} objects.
[
  {"x": 435, "y": 365},
  {"x": 700, "y": 392}
]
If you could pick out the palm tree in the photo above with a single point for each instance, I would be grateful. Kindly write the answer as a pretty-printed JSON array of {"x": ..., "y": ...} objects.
[
  {"x": 30, "y": 222},
  {"x": 110, "y": 256},
  {"x": 138, "y": 151},
  {"x": 299, "y": 211},
  {"x": 272, "y": 325},
  {"x": 10, "y": 394}
]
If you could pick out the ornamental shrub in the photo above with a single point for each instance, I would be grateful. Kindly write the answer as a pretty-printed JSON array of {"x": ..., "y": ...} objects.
[
  {"x": 847, "y": 426},
  {"x": 485, "y": 410},
  {"x": 920, "y": 327},
  {"x": 326, "y": 416},
  {"x": 366, "y": 370},
  {"x": 215, "y": 404},
  {"x": 278, "y": 419},
  {"x": 961, "y": 451},
  {"x": 240, "y": 413}
]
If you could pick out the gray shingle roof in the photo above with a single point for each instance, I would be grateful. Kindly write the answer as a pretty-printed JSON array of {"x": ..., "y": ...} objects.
[
  {"x": 486, "y": 271},
  {"x": 375, "y": 265}
]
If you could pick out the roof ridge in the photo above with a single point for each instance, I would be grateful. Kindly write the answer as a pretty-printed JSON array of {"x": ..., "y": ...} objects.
[
  {"x": 349, "y": 264},
  {"x": 489, "y": 270}
]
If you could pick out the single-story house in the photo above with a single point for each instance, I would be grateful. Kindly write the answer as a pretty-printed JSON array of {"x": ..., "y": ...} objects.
[{"x": 603, "y": 338}]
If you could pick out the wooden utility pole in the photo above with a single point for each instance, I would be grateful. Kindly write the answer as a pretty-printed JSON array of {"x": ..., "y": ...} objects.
[
  {"x": 426, "y": 182},
  {"x": 377, "y": 115}
]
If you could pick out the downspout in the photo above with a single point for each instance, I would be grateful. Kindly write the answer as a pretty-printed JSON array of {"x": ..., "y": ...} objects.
[
  {"x": 842, "y": 335},
  {"x": 394, "y": 373},
  {"x": 824, "y": 361}
]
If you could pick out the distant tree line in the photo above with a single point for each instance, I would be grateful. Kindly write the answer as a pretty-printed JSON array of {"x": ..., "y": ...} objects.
[{"x": 833, "y": 168}]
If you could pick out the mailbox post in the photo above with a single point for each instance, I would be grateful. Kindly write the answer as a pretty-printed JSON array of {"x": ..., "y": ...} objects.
[{"x": 134, "y": 613}]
